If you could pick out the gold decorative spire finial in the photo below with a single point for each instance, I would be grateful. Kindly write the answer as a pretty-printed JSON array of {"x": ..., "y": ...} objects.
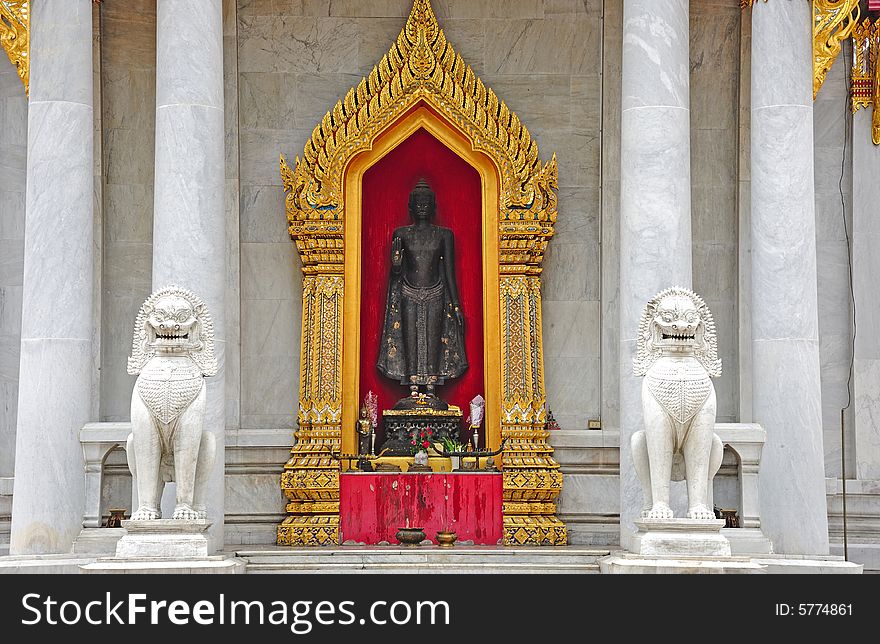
[{"x": 14, "y": 27}]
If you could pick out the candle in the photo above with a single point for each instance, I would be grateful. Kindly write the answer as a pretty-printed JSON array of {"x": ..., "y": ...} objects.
[{"x": 407, "y": 522}]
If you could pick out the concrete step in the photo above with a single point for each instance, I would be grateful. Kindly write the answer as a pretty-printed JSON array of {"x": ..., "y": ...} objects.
[{"x": 421, "y": 559}]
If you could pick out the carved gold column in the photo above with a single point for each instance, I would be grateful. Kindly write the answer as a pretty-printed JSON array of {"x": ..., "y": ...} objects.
[
  {"x": 532, "y": 478},
  {"x": 14, "y": 27},
  {"x": 311, "y": 476}
]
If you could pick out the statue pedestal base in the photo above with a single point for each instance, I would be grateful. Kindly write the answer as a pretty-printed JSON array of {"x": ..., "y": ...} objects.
[
  {"x": 680, "y": 538},
  {"x": 163, "y": 538},
  {"x": 402, "y": 424}
]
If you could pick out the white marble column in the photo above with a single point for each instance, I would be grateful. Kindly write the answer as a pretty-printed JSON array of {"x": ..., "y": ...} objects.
[
  {"x": 54, "y": 399},
  {"x": 785, "y": 345},
  {"x": 655, "y": 195},
  {"x": 189, "y": 229},
  {"x": 866, "y": 268}
]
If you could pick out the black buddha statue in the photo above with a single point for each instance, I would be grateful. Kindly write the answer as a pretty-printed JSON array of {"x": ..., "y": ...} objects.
[{"x": 422, "y": 342}]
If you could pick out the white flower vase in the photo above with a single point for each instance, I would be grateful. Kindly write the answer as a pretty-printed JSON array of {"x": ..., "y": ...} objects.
[{"x": 421, "y": 458}]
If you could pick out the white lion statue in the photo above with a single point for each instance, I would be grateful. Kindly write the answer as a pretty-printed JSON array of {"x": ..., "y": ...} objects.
[
  {"x": 677, "y": 353},
  {"x": 172, "y": 352}
]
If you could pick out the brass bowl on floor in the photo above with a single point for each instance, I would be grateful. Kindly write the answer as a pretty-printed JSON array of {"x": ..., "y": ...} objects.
[
  {"x": 446, "y": 538},
  {"x": 410, "y": 536}
]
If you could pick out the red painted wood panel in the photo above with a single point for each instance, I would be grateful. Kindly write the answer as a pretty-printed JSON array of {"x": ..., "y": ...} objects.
[{"x": 373, "y": 506}]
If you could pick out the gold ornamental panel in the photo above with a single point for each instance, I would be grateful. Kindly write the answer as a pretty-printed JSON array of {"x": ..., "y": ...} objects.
[
  {"x": 15, "y": 36},
  {"x": 309, "y": 531},
  {"x": 534, "y": 530},
  {"x": 865, "y": 76},
  {"x": 422, "y": 82}
]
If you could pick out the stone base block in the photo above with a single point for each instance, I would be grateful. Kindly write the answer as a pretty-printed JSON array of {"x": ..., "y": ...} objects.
[
  {"x": 747, "y": 541},
  {"x": 625, "y": 563},
  {"x": 680, "y": 538},
  {"x": 97, "y": 541},
  {"x": 164, "y": 539}
]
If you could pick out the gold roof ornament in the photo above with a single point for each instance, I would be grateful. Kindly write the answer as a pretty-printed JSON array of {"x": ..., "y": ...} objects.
[
  {"x": 14, "y": 28},
  {"x": 833, "y": 21},
  {"x": 421, "y": 66}
]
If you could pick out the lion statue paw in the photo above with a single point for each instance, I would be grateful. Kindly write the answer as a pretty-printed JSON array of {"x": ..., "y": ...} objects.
[
  {"x": 660, "y": 511},
  {"x": 146, "y": 514},
  {"x": 186, "y": 513},
  {"x": 700, "y": 512}
]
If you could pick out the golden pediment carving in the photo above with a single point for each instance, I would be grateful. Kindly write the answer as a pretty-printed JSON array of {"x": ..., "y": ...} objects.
[{"x": 421, "y": 67}]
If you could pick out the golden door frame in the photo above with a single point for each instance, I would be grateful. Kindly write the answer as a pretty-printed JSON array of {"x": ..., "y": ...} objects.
[
  {"x": 421, "y": 83},
  {"x": 386, "y": 141}
]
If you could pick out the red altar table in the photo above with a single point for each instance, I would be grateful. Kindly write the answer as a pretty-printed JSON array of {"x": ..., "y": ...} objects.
[{"x": 374, "y": 505}]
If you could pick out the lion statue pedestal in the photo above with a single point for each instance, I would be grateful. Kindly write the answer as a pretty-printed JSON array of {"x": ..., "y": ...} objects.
[{"x": 164, "y": 539}]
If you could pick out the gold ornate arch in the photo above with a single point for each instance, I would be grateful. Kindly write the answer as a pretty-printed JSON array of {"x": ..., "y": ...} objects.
[{"x": 322, "y": 205}]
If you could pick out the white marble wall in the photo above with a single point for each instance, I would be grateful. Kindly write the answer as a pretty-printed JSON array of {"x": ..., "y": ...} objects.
[
  {"x": 128, "y": 84},
  {"x": 715, "y": 63},
  {"x": 13, "y": 161},
  {"x": 831, "y": 118},
  {"x": 232, "y": 200},
  {"x": 612, "y": 51}
]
